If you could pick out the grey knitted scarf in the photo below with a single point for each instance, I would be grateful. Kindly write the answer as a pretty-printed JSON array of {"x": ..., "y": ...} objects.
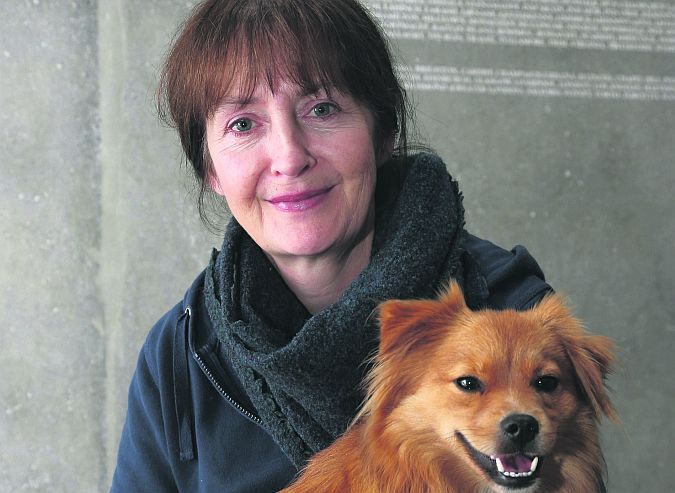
[{"x": 303, "y": 373}]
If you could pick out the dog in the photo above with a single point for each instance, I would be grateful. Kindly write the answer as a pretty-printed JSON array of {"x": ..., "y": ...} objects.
[{"x": 462, "y": 401}]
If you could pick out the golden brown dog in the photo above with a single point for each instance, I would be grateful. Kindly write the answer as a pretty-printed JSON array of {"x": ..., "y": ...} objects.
[{"x": 485, "y": 401}]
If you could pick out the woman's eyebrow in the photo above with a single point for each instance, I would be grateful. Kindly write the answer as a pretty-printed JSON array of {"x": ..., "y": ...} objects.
[{"x": 237, "y": 102}]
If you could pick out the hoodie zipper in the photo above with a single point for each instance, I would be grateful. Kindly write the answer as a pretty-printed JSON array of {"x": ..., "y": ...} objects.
[{"x": 222, "y": 392}]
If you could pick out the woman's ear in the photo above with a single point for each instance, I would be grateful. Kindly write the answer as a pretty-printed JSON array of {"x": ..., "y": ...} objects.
[{"x": 386, "y": 149}]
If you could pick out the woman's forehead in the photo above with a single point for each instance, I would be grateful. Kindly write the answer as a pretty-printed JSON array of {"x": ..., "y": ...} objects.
[
  {"x": 243, "y": 91},
  {"x": 271, "y": 62},
  {"x": 244, "y": 88}
]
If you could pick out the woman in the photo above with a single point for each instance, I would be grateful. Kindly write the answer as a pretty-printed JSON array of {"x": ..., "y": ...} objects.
[{"x": 291, "y": 111}]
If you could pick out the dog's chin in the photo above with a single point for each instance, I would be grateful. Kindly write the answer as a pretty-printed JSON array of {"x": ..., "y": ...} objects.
[{"x": 508, "y": 472}]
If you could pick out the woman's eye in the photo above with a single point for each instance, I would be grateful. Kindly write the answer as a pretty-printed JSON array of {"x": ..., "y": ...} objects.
[
  {"x": 323, "y": 109},
  {"x": 241, "y": 125}
]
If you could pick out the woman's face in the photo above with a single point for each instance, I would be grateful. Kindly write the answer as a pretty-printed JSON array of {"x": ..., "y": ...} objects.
[{"x": 297, "y": 170}]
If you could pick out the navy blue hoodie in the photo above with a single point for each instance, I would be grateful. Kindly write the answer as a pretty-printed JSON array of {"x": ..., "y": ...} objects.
[{"x": 190, "y": 426}]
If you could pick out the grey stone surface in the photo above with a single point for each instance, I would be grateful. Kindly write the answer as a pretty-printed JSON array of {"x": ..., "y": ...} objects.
[
  {"x": 51, "y": 341},
  {"x": 99, "y": 235}
]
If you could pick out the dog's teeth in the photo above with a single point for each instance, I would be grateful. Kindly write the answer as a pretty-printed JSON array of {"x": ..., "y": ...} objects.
[
  {"x": 517, "y": 474},
  {"x": 513, "y": 474}
]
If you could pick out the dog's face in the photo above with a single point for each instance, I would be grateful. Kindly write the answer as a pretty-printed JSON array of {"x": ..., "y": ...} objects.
[{"x": 505, "y": 391}]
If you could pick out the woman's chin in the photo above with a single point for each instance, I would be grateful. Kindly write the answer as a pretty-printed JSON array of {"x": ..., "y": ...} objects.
[
  {"x": 314, "y": 236},
  {"x": 300, "y": 249},
  {"x": 307, "y": 238}
]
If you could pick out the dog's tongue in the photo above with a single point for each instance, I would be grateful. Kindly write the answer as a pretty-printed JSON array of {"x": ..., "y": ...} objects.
[{"x": 515, "y": 462}]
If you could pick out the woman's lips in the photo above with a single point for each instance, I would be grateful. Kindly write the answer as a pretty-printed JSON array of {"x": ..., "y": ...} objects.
[{"x": 296, "y": 202}]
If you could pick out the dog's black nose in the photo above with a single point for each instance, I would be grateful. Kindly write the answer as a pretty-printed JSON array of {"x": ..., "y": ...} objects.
[{"x": 520, "y": 429}]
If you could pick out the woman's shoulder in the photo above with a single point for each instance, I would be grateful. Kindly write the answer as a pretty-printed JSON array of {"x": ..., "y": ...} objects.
[
  {"x": 512, "y": 278},
  {"x": 182, "y": 419},
  {"x": 161, "y": 338}
]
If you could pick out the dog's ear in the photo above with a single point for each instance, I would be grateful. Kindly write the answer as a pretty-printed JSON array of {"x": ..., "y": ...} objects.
[
  {"x": 591, "y": 355},
  {"x": 405, "y": 323}
]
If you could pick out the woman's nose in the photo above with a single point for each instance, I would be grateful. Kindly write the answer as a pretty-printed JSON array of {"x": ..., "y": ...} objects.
[{"x": 289, "y": 150}]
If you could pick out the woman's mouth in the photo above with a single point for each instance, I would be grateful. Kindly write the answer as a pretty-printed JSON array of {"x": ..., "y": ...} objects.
[{"x": 300, "y": 201}]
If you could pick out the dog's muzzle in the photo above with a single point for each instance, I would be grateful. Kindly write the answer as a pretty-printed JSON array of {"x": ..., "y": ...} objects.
[{"x": 516, "y": 465}]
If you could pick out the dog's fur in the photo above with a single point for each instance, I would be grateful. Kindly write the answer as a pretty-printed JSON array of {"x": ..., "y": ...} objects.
[{"x": 427, "y": 427}]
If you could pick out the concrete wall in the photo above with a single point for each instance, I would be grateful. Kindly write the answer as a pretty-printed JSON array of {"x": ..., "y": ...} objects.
[{"x": 99, "y": 235}]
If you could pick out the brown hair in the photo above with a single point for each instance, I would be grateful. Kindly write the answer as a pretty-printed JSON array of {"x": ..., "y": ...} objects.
[{"x": 316, "y": 44}]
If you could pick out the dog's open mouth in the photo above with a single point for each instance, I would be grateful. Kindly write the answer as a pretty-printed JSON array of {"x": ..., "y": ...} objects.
[{"x": 515, "y": 470}]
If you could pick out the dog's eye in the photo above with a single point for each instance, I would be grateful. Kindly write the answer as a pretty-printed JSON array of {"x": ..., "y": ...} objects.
[
  {"x": 469, "y": 384},
  {"x": 547, "y": 383}
]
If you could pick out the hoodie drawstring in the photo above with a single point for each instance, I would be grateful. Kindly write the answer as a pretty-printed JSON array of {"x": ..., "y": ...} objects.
[{"x": 181, "y": 388}]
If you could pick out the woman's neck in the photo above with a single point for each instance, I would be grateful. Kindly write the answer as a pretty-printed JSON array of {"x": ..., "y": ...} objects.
[{"x": 319, "y": 281}]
